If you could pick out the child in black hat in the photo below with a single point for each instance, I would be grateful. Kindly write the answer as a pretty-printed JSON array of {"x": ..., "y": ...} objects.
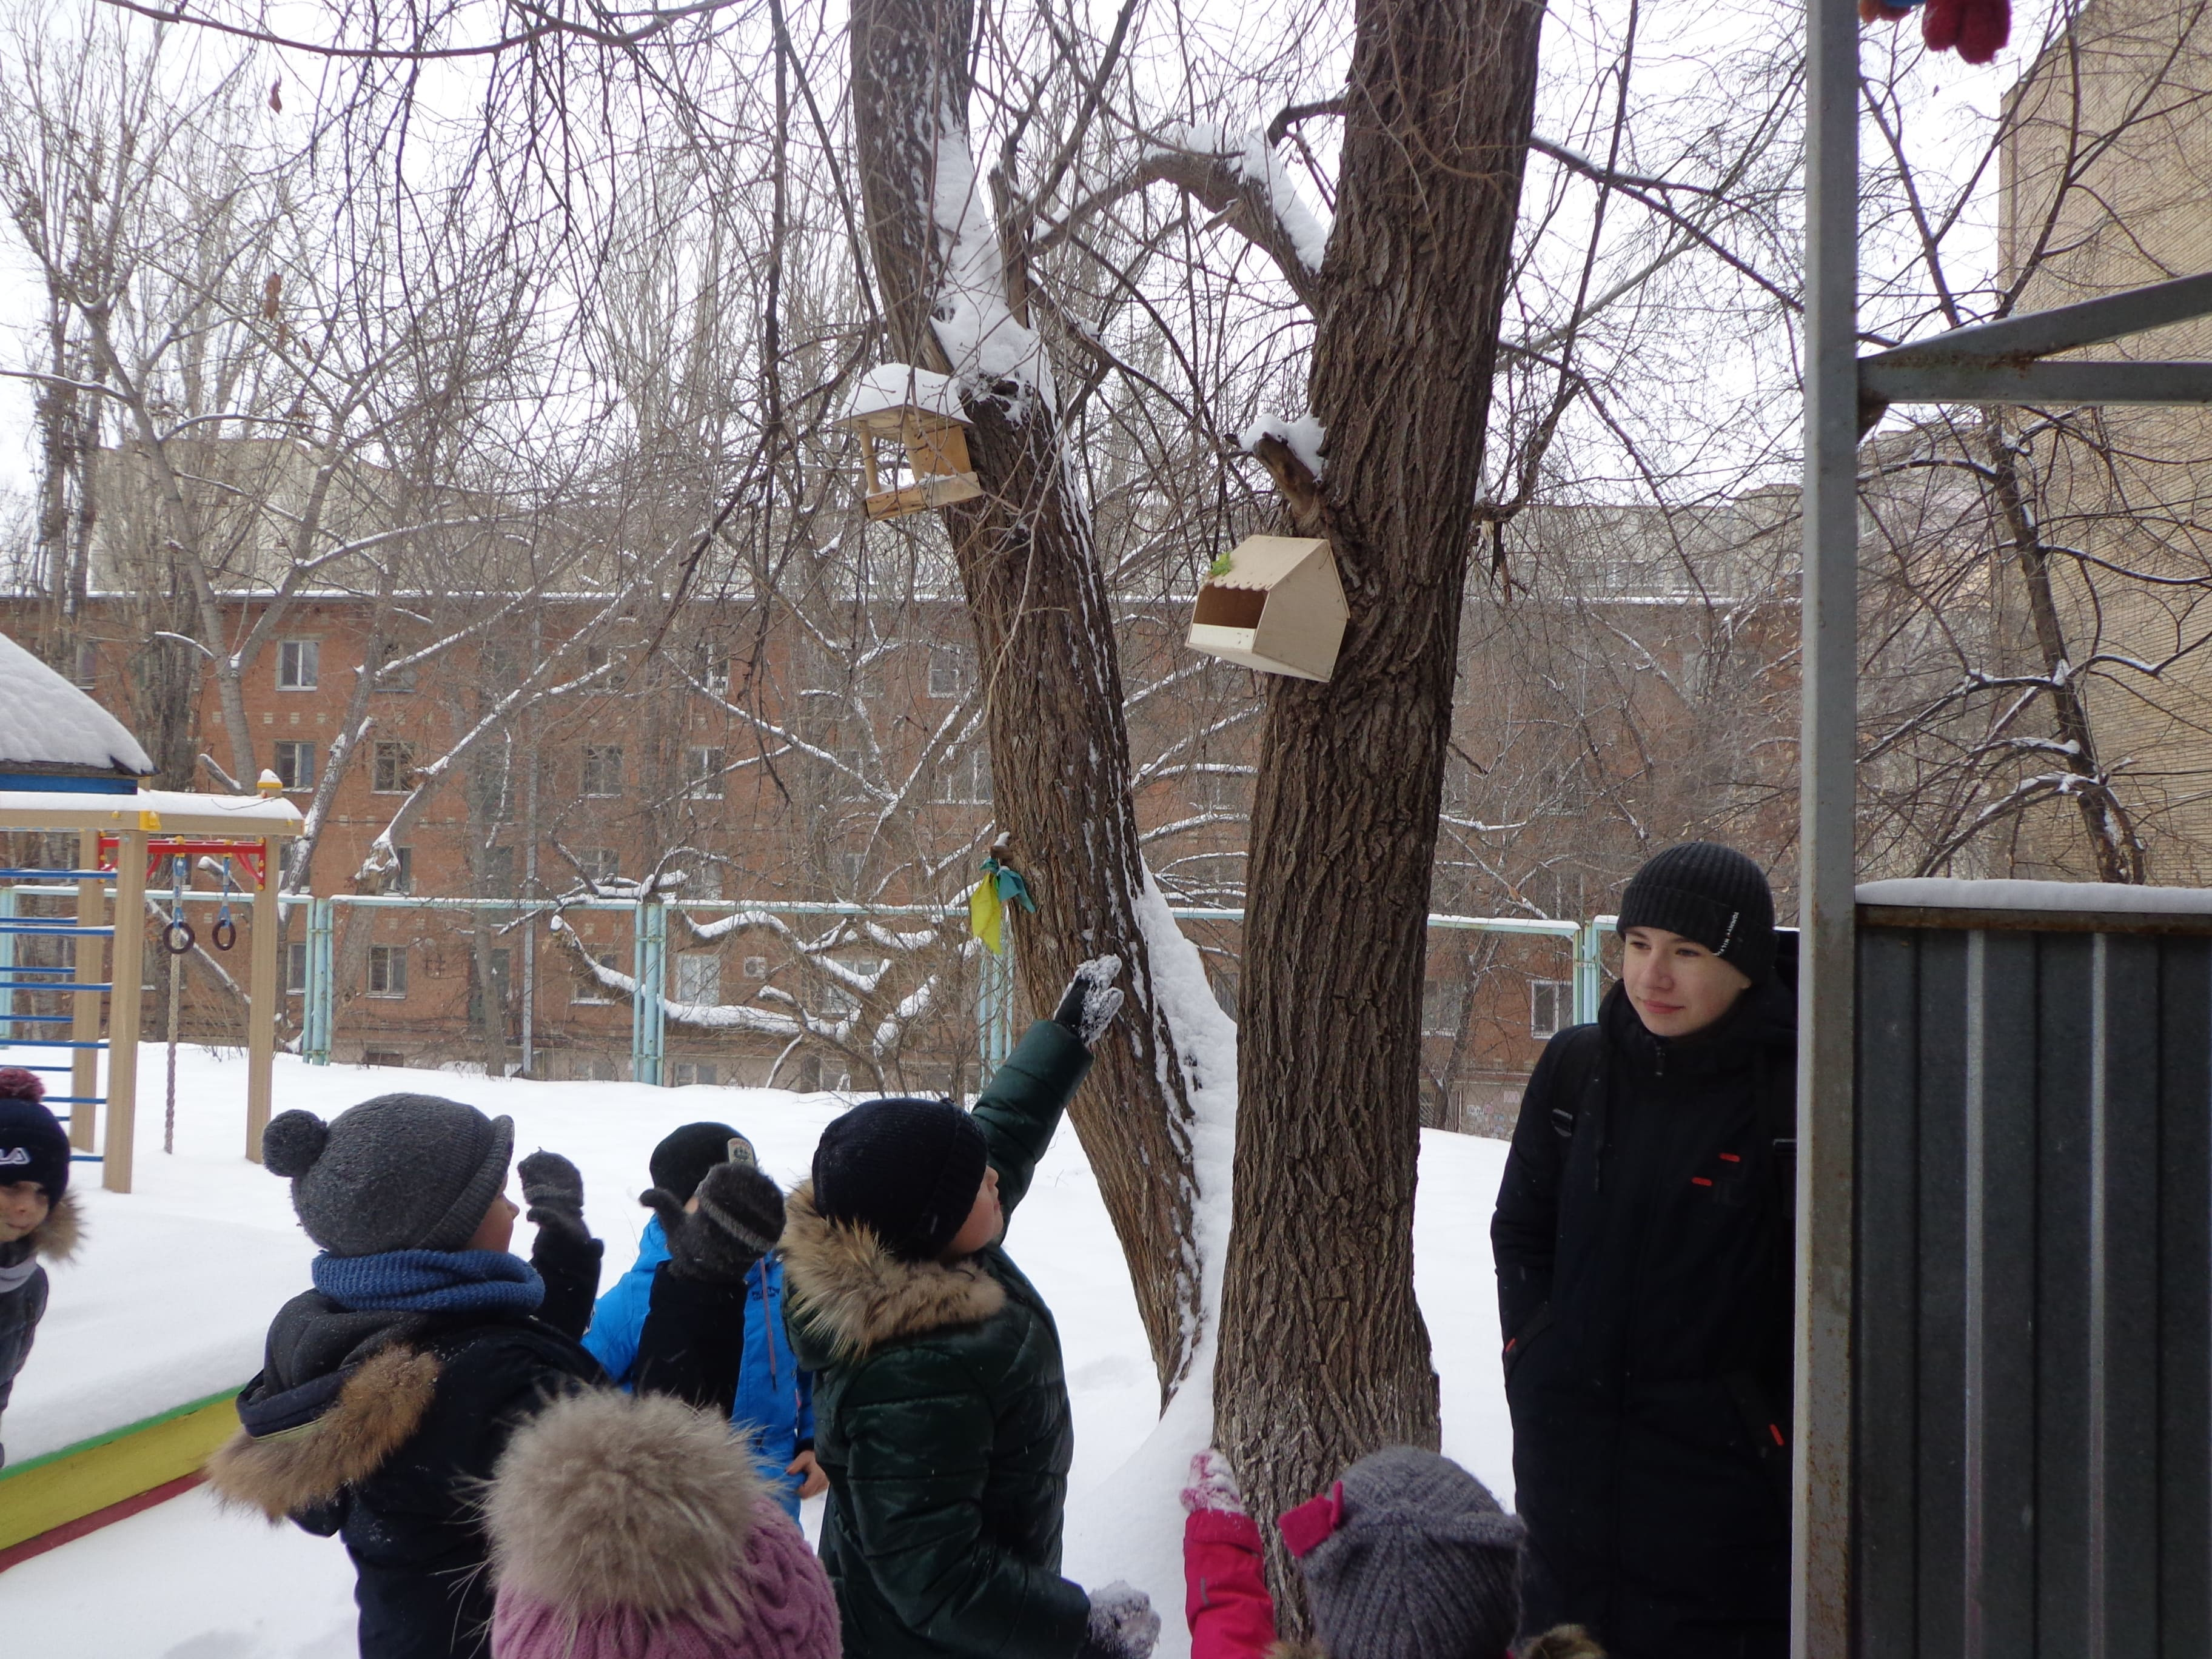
[
  {"x": 388, "y": 1392},
  {"x": 941, "y": 1412},
  {"x": 38, "y": 1217}
]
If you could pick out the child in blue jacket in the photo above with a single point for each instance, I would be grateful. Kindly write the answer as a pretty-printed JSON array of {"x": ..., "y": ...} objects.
[{"x": 719, "y": 1340}]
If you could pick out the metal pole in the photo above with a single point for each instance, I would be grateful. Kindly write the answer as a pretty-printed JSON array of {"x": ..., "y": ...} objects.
[
  {"x": 1819, "y": 1612},
  {"x": 128, "y": 976},
  {"x": 8, "y": 964},
  {"x": 315, "y": 1014},
  {"x": 90, "y": 963},
  {"x": 649, "y": 958},
  {"x": 264, "y": 998}
]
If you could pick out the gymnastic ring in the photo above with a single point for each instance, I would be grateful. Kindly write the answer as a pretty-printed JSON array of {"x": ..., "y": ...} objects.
[
  {"x": 177, "y": 938},
  {"x": 224, "y": 933}
]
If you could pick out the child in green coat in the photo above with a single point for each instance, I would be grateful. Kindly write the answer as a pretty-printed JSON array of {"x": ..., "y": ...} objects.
[{"x": 941, "y": 1412}]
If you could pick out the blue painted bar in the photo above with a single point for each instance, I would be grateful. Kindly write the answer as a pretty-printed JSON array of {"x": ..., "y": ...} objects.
[
  {"x": 43, "y": 783},
  {"x": 46, "y": 985}
]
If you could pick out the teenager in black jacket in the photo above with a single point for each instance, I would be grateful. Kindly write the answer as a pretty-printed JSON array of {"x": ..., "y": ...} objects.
[{"x": 1643, "y": 1246}]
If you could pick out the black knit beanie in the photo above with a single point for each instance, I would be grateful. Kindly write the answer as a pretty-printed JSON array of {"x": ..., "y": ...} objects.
[
  {"x": 33, "y": 1145},
  {"x": 907, "y": 1169},
  {"x": 680, "y": 1163},
  {"x": 1709, "y": 893}
]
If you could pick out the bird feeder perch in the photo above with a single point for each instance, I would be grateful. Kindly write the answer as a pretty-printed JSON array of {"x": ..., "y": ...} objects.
[
  {"x": 897, "y": 403},
  {"x": 1275, "y": 605}
]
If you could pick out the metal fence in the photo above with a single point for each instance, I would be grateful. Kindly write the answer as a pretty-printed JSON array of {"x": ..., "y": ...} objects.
[{"x": 2032, "y": 1328}]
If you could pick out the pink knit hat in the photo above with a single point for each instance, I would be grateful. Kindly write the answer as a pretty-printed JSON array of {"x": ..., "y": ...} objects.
[{"x": 634, "y": 1528}]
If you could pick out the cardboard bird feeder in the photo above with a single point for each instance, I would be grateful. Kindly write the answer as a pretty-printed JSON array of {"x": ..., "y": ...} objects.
[
  {"x": 1275, "y": 605},
  {"x": 920, "y": 412}
]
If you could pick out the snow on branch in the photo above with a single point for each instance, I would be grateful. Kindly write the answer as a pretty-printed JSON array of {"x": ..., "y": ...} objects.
[
  {"x": 1236, "y": 176},
  {"x": 986, "y": 345}
]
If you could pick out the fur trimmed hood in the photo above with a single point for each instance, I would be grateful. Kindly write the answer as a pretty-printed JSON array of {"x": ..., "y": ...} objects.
[
  {"x": 855, "y": 1295},
  {"x": 606, "y": 1501},
  {"x": 57, "y": 1237},
  {"x": 379, "y": 1405},
  {"x": 1563, "y": 1642}
]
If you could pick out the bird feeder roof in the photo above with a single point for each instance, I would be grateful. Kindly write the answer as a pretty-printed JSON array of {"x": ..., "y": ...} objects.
[
  {"x": 47, "y": 724},
  {"x": 894, "y": 389},
  {"x": 1262, "y": 563}
]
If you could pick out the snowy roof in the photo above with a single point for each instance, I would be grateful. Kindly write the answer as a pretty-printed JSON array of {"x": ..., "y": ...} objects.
[
  {"x": 47, "y": 723},
  {"x": 893, "y": 386},
  {"x": 2087, "y": 898}
]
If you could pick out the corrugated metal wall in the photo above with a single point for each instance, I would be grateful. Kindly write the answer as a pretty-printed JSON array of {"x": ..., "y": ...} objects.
[{"x": 2032, "y": 1448}]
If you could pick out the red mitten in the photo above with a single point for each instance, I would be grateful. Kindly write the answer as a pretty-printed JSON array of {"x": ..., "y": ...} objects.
[{"x": 1974, "y": 28}]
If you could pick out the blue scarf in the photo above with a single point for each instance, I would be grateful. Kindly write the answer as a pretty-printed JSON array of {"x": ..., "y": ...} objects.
[{"x": 430, "y": 1281}]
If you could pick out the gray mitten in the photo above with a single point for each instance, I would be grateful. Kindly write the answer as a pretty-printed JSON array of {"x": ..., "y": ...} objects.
[
  {"x": 553, "y": 1193},
  {"x": 1087, "y": 1008},
  {"x": 739, "y": 1220},
  {"x": 1122, "y": 1624}
]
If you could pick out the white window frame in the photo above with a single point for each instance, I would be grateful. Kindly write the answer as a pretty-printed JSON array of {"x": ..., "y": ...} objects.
[
  {"x": 295, "y": 784},
  {"x": 395, "y": 750},
  {"x": 588, "y": 992},
  {"x": 681, "y": 1072},
  {"x": 382, "y": 958},
  {"x": 948, "y": 672},
  {"x": 1560, "y": 993},
  {"x": 704, "y": 779},
  {"x": 699, "y": 977},
  {"x": 299, "y": 665},
  {"x": 594, "y": 771}
]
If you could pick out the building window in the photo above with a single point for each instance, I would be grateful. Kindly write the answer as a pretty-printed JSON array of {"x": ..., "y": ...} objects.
[
  {"x": 1440, "y": 1008},
  {"x": 683, "y": 1072},
  {"x": 402, "y": 879},
  {"x": 699, "y": 978},
  {"x": 710, "y": 667},
  {"x": 86, "y": 665},
  {"x": 948, "y": 672},
  {"x": 296, "y": 969},
  {"x": 854, "y": 868},
  {"x": 755, "y": 967},
  {"x": 1551, "y": 1006},
  {"x": 602, "y": 770},
  {"x": 295, "y": 764},
  {"x": 588, "y": 993},
  {"x": 964, "y": 779},
  {"x": 703, "y": 770},
  {"x": 387, "y": 970},
  {"x": 399, "y": 678},
  {"x": 592, "y": 1068},
  {"x": 382, "y": 1057},
  {"x": 393, "y": 770},
  {"x": 600, "y": 864},
  {"x": 706, "y": 882},
  {"x": 1226, "y": 989},
  {"x": 299, "y": 665}
]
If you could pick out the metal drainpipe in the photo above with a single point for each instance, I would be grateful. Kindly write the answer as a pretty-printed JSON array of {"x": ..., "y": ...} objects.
[
  {"x": 1820, "y": 1612},
  {"x": 316, "y": 1001},
  {"x": 647, "y": 1019}
]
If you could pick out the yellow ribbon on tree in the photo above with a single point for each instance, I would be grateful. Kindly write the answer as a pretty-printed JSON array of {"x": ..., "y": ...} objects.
[{"x": 1002, "y": 885}]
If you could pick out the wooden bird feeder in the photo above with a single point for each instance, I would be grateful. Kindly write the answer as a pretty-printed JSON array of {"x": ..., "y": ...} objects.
[
  {"x": 1276, "y": 605},
  {"x": 920, "y": 411}
]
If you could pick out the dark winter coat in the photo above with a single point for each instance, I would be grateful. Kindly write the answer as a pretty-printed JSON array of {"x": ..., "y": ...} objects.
[
  {"x": 382, "y": 1428},
  {"x": 1644, "y": 1289},
  {"x": 941, "y": 1413},
  {"x": 24, "y": 1304}
]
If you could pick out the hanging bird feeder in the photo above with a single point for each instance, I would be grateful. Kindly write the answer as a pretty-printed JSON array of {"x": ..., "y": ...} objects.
[
  {"x": 919, "y": 412},
  {"x": 1274, "y": 604}
]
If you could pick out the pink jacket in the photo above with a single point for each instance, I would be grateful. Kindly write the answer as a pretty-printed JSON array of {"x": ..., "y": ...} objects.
[{"x": 1225, "y": 1589}]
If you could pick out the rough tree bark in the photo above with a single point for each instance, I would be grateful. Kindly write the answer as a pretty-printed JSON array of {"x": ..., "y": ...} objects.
[
  {"x": 1324, "y": 1357},
  {"x": 1060, "y": 749}
]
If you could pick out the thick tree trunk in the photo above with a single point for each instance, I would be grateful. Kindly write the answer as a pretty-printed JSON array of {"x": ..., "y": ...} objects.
[
  {"x": 1060, "y": 749},
  {"x": 1324, "y": 1356}
]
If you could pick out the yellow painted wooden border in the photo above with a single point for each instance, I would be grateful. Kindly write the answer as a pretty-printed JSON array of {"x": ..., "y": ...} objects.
[{"x": 68, "y": 1484}]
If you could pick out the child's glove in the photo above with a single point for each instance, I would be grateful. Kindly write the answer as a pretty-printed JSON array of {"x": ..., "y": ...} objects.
[
  {"x": 739, "y": 1220},
  {"x": 553, "y": 1195},
  {"x": 1123, "y": 1623},
  {"x": 1977, "y": 29},
  {"x": 1091, "y": 1000},
  {"x": 1213, "y": 1486}
]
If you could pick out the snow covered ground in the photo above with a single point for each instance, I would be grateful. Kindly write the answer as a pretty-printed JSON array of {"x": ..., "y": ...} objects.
[{"x": 170, "y": 1299}]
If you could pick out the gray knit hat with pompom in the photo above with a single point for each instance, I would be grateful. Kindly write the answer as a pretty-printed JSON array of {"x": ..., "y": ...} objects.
[
  {"x": 1414, "y": 1559},
  {"x": 400, "y": 1172}
]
